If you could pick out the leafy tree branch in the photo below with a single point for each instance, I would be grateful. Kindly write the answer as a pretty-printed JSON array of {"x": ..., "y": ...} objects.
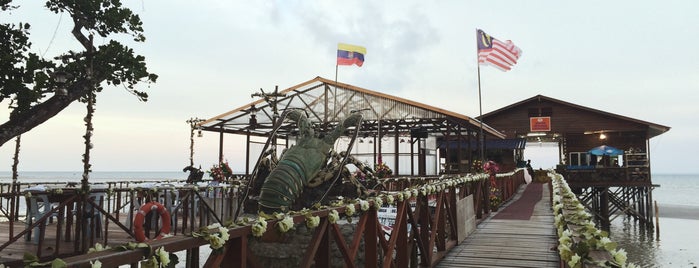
[{"x": 27, "y": 80}]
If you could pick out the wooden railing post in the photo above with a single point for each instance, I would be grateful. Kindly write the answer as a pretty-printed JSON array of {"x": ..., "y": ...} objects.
[
  {"x": 371, "y": 247},
  {"x": 235, "y": 254}
]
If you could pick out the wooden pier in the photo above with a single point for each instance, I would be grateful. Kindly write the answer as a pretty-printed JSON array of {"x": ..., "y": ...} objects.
[
  {"x": 427, "y": 236},
  {"x": 506, "y": 240}
]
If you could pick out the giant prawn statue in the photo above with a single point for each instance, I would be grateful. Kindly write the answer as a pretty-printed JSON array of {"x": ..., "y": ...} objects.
[{"x": 309, "y": 163}]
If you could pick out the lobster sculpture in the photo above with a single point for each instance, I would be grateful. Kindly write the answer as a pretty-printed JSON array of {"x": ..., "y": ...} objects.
[{"x": 309, "y": 163}]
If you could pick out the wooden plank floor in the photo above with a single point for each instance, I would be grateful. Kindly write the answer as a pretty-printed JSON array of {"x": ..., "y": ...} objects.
[
  {"x": 16, "y": 250},
  {"x": 50, "y": 248},
  {"x": 510, "y": 243}
]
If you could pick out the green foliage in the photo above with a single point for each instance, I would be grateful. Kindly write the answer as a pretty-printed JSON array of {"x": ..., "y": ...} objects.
[
  {"x": 31, "y": 260},
  {"x": 26, "y": 79},
  {"x": 19, "y": 67},
  {"x": 104, "y": 16}
]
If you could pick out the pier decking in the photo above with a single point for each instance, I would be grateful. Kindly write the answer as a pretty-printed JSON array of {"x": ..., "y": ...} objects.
[
  {"x": 429, "y": 231},
  {"x": 506, "y": 240}
]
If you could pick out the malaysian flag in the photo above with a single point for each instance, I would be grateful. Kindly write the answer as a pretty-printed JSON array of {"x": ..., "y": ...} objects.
[{"x": 499, "y": 54}]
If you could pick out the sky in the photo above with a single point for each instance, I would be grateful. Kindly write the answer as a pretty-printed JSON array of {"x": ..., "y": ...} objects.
[{"x": 632, "y": 58}]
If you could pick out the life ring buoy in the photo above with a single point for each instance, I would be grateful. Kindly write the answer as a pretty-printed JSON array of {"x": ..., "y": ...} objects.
[{"x": 140, "y": 217}]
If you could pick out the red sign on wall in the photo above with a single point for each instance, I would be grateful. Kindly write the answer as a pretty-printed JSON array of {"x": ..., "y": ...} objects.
[{"x": 540, "y": 123}]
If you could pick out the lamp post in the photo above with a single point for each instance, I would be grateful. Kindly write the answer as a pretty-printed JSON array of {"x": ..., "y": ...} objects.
[
  {"x": 193, "y": 122},
  {"x": 61, "y": 78}
]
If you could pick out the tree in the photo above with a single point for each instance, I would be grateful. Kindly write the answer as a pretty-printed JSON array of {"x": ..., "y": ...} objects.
[{"x": 33, "y": 85}]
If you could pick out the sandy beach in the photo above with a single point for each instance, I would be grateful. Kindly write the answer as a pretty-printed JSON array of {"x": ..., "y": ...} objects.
[{"x": 678, "y": 212}]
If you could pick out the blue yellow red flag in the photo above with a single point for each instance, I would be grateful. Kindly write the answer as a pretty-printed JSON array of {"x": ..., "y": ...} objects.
[{"x": 350, "y": 54}]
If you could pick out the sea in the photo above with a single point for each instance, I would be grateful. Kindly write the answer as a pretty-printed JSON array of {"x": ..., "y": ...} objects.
[
  {"x": 673, "y": 243},
  {"x": 675, "y": 240}
]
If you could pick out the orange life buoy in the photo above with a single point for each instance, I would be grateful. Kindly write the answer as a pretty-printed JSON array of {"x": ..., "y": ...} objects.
[{"x": 140, "y": 217}]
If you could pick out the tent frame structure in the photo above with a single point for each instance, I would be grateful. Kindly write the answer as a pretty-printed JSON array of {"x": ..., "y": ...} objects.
[{"x": 327, "y": 102}]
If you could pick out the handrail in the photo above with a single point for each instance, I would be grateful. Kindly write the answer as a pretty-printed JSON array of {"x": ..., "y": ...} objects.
[
  {"x": 113, "y": 209},
  {"x": 429, "y": 229},
  {"x": 580, "y": 242}
]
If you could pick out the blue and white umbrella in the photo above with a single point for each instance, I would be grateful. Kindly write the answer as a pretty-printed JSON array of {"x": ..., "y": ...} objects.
[{"x": 606, "y": 150}]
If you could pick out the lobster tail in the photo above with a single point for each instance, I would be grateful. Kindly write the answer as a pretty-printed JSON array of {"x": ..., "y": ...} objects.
[{"x": 283, "y": 185}]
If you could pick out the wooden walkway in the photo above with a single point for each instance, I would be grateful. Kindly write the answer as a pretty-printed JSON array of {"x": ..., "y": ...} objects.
[{"x": 510, "y": 242}]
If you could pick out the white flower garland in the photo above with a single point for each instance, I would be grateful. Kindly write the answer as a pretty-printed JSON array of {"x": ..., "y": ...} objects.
[
  {"x": 259, "y": 227},
  {"x": 286, "y": 224},
  {"x": 333, "y": 216},
  {"x": 364, "y": 205},
  {"x": 217, "y": 239},
  {"x": 160, "y": 258},
  {"x": 349, "y": 210},
  {"x": 569, "y": 211},
  {"x": 312, "y": 221}
]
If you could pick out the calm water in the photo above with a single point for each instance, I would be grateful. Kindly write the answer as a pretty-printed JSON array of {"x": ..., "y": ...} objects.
[
  {"x": 678, "y": 245},
  {"x": 98, "y": 176}
]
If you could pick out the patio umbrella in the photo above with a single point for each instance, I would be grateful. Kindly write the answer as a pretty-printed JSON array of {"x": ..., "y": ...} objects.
[{"x": 606, "y": 150}]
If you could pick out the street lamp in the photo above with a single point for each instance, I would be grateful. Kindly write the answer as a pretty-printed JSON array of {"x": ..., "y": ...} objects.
[
  {"x": 61, "y": 78},
  {"x": 253, "y": 117},
  {"x": 193, "y": 122}
]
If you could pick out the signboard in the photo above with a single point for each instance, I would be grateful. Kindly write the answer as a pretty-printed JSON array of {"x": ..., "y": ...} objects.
[
  {"x": 542, "y": 123},
  {"x": 465, "y": 214}
]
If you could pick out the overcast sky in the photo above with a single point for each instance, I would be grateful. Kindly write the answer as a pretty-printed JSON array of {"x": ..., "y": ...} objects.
[{"x": 634, "y": 58}]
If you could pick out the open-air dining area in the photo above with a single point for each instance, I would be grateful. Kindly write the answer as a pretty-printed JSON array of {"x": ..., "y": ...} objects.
[{"x": 48, "y": 219}]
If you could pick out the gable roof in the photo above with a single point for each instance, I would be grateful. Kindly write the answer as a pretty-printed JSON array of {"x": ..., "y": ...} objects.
[
  {"x": 327, "y": 102},
  {"x": 653, "y": 128}
]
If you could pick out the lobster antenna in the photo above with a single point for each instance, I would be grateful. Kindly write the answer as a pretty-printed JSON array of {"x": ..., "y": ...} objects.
[
  {"x": 344, "y": 160},
  {"x": 244, "y": 197}
]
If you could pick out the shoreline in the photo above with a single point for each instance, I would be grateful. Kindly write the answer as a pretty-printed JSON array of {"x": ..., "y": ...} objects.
[{"x": 678, "y": 211}]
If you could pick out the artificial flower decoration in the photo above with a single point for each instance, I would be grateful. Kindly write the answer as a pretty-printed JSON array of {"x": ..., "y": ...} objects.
[
  {"x": 491, "y": 167},
  {"x": 333, "y": 216},
  {"x": 286, "y": 224},
  {"x": 381, "y": 170},
  {"x": 390, "y": 200},
  {"x": 220, "y": 172},
  {"x": 215, "y": 234},
  {"x": 364, "y": 205},
  {"x": 259, "y": 227},
  {"x": 620, "y": 256},
  {"x": 163, "y": 256},
  {"x": 574, "y": 261},
  {"x": 98, "y": 247},
  {"x": 312, "y": 221},
  {"x": 569, "y": 212},
  {"x": 495, "y": 198},
  {"x": 359, "y": 175},
  {"x": 349, "y": 210},
  {"x": 378, "y": 202}
]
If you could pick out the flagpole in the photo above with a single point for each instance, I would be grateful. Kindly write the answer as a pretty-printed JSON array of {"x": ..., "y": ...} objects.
[
  {"x": 335, "y": 93},
  {"x": 481, "y": 138}
]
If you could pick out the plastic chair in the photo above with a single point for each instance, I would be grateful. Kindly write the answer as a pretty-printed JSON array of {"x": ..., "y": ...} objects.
[
  {"x": 136, "y": 201},
  {"x": 39, "y": 206},
  {"x": 92, "y": 213},
  {"x": 170, "y": 198}
]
